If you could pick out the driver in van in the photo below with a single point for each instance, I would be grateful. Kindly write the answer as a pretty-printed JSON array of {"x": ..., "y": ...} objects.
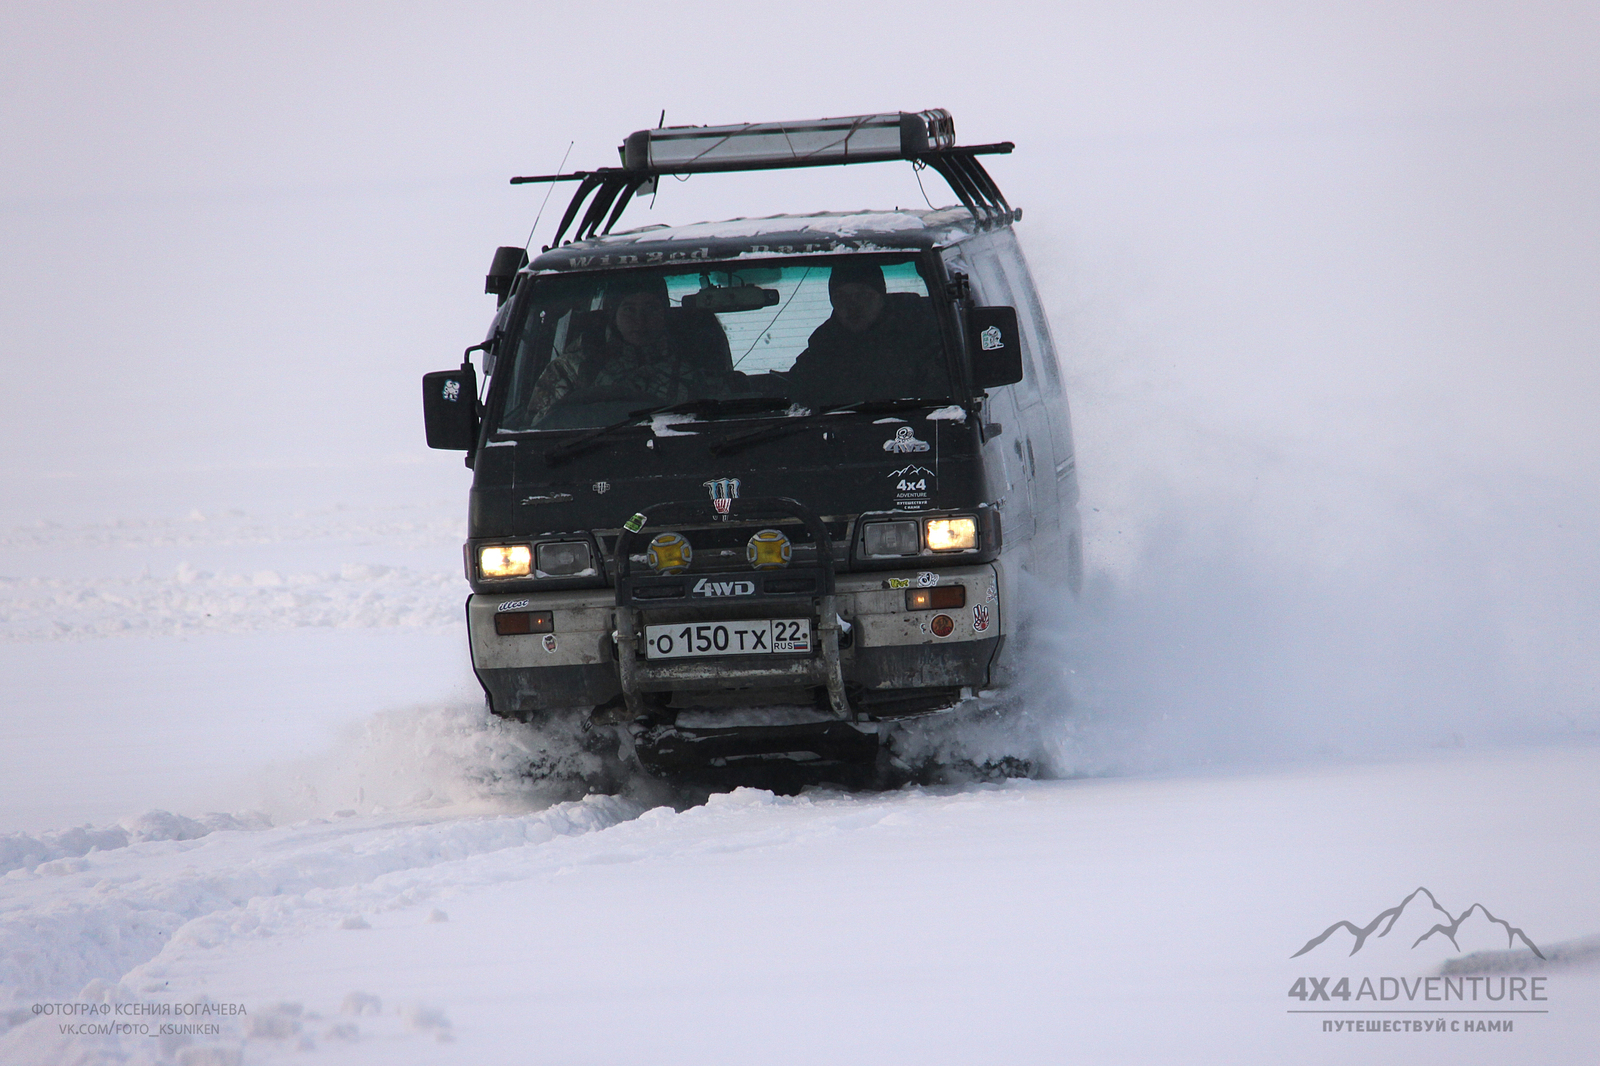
[
  {"x": 876, "y": 345},
  {"x": 635, "y": 352}
]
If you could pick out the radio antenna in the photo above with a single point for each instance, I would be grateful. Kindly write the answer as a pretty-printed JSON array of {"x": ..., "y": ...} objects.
[
  {"x": 655, "y": 188},
  {"x": 546, "y": 200}
]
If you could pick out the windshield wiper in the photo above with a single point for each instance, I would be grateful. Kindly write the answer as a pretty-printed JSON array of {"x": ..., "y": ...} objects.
[
  {"x": 794, "y": 425},
  {"x": 704, "y": 408}
]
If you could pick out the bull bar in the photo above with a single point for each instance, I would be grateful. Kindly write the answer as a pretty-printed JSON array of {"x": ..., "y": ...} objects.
[{"x": 813, "y": 585}]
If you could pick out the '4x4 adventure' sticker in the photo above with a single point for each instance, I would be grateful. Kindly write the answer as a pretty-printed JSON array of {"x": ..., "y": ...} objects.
[{"x": 914, "y": 487}]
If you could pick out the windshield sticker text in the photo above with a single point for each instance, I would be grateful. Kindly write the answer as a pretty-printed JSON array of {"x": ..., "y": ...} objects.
[{"x": 642, "y": 259}]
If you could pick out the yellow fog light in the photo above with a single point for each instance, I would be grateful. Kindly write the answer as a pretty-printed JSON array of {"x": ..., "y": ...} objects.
[
  {"x": 669, "y": 553},
  {"x": 505, "y": 560},
  {"x": 768, "y": 550},
  {"x": 952, "y": 534}
]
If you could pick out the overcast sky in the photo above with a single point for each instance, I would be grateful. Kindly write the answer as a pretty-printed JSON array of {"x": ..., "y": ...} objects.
[{"x": 244, "y": 230}]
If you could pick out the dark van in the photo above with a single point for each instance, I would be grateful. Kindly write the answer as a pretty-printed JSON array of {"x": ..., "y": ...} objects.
[{"x": 753, "y": 490}]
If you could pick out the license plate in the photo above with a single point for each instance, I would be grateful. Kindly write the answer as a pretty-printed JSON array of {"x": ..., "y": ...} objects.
[{"x": 750, "y": 636}]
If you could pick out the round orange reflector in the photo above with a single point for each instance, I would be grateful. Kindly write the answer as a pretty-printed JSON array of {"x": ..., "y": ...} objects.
[
  {"x": 669, "y": 553},
  {"x": 768, "y": 550}
]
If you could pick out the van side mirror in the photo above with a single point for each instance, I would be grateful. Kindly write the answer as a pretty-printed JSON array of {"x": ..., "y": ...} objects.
[
  {"x": 993, "y": 340},
  {"x": 503, "y": 272},
  {"x": 450, "y": 408}
]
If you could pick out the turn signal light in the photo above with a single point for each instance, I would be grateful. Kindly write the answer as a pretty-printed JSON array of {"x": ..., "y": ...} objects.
[
  {"x": 511, "y": 623},
  {"x": 940, "y": 597}
]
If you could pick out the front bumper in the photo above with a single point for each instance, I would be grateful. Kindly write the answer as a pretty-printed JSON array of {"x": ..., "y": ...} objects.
[{"x": 891, "y": 660}]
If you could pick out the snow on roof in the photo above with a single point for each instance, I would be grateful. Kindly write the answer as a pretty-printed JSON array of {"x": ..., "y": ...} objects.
[
  {"x": 830, "y": 223},
  {"x": 776, "y": 235}
]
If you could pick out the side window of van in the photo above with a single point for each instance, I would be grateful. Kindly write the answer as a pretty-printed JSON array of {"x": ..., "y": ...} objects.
[
  {"x": 1035, "y": 328},
  {"x": 991, "y": 285}
]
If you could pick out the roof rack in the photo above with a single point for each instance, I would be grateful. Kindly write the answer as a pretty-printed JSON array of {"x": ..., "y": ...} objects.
[{"x": 924, "y": 138}]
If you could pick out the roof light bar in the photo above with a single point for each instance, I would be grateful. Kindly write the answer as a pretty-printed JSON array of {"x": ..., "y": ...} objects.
[
  {"x": 924, "y": 138},
  {"x": 763, "y": 145}
]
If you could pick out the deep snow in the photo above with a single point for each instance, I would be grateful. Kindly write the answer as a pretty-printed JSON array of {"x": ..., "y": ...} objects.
[
  {"x": 1139, "y": 921},
  {"x": 385, "y": 888}
]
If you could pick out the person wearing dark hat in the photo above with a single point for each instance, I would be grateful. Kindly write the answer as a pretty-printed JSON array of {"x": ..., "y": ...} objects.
[
  {"x": 876, "y": 345},
  {"x": 634, "y": 350}
]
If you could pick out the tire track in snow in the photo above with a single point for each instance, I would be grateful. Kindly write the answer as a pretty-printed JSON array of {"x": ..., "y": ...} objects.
[
  {"x": 197, "y": 601},
  {"x": 71, "y": 921}
]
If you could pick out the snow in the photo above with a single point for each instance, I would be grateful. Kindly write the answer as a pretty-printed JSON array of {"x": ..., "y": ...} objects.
[
  {"x": 227, "y": 572},
  {"x": 661, "y": 425},
  {"x": 290, "y": 804},
  {"x": 995, "y": 923},
  {"x": 821, "y": 224},
  {"x": 146, "y": 900}
]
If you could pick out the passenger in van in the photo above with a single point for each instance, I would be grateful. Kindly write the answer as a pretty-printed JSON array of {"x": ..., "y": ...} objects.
[
  {"x": 876, "y": 345},
  {"x": 638, "y": 347}
]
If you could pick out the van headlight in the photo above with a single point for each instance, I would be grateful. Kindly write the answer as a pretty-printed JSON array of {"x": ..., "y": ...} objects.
[
  {"x": 889, "y": 538},
  {"x": 952, "y": 534},
  {"x": 564, "y": 558},
  {"x": 505, "y": 560}
]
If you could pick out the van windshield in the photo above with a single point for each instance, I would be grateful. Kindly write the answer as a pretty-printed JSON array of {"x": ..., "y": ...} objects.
[{"x": 587, "y": 349}]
